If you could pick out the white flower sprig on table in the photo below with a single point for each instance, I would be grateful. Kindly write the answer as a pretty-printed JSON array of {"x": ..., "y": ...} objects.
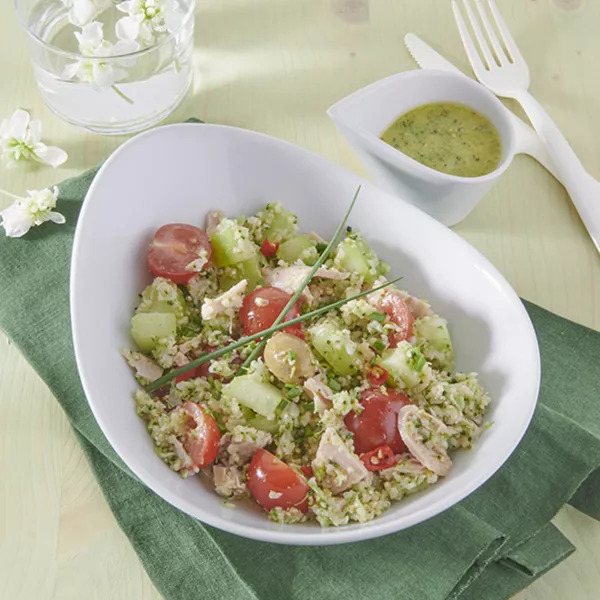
[
  {"x": 147, "y": 20},
  {"x": 31, "y": 211},
  {"x": 81, "y": 12},
  {"x": 92, "y": 69},
  {"x": 20, "y": 139}
]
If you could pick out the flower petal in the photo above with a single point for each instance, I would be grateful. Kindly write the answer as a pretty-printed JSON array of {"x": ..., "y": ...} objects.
[
  {"x": 82, "y": 12},
  {"x": 18, "y": 124},
  {"x": 16, "y": 220},
  {"x": 103, "y": 75},
  {"x": 57, "y": 218},
  {"x": 70, "y": 70},
  {"x": 35, "y": 132},
  {"x": 127, "y": 28},
  {"x": 53, "y": 156}
]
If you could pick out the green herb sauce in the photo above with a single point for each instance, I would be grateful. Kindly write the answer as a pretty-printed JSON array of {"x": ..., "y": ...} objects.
[{"x": 448, "y": 137}]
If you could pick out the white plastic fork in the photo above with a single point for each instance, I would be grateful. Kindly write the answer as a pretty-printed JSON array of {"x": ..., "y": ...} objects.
[{"x": 501, "y": 68}]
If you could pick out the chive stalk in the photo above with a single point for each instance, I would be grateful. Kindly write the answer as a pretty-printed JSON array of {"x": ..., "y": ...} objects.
[
  {"x": 154, "y": 385},
  {"x": 322, "y": 258}
]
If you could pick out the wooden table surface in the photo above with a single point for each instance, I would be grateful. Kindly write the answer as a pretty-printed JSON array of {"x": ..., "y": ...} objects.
[{"x": 275, "y": 66}]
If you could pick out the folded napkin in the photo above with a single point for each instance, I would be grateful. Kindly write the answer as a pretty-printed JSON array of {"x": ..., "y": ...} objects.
[{"x": 491, "y": 545}]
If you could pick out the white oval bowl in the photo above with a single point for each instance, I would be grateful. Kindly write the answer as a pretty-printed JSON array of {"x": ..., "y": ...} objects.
[{"x": 176, "y": 174}]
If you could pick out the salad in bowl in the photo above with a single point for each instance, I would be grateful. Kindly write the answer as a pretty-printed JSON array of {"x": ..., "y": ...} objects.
[{"x": 287, "y": 369}]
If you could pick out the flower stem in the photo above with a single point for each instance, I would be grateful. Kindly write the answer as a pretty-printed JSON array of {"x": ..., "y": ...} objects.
[
  {"x": 256, "y": 352},
  {"x": 10, "y": 195},
  {"x": 121, "y": 94},
  {"x": 154, "y": 385}
]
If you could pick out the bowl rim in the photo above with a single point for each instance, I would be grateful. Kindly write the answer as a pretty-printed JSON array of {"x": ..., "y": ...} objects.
[
  {"x": 288, "y": 534},
  {"x": 393, "y": 155}
]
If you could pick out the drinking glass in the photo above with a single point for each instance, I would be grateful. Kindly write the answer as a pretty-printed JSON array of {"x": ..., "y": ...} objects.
[{"x": 92, "y": 76}]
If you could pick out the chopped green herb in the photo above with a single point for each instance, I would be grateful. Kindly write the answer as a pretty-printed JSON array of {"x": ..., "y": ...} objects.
[
  {"x": 294, "y": 392},
  {"x": 417, "y": 360},
  {"x": 379, "y": 345},
  {"x": 334, "y": 385},
  {"x": 377, "y": 316}
]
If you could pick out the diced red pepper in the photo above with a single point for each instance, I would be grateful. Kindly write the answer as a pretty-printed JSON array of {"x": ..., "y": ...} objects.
[
  {"x": 268, "y": 248},
  {"x": 201, "y": 371},
  {"x": 188, "y": 375},
  {"x": 377, "y": 375},
  {"x": 308, "y": 472},
  {"x": 380, "y": 458}
]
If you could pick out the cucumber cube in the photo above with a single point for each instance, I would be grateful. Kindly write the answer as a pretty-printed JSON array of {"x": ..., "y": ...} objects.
[
  {"x": 247, "y": 269},
  {"x": 403, "y": 363},
  {"x": 231, "y": 244},
  {"x": 263, "y": 398},
  {"x": 298, "y": 247},
  {"x": 335, "y": 346},
  {"x": 282, "y": 224},
  {"x": 147, "y": 328},
  {"x": 354, "y": 255},
  {"x": 163, "y": 296},
  {"x": 434, "y": 341}
]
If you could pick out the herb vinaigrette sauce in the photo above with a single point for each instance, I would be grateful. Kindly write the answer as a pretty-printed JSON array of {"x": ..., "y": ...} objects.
[{"x": 448, "y": 137}]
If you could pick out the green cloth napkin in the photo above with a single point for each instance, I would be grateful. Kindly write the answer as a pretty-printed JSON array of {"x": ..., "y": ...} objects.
[{"x": 491, "y": 545}]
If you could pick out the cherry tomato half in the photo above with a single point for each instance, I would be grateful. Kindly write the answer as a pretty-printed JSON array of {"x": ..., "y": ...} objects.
[
  {"x": 261, "y": 307},
  {"x": 201, "y": 442},
  {"x": 272, "y": 483},
  {"x": 268, "y": 248},
  {"x": 381, "y": 457},
  {"x": 377, "y": 424},
  {"x": 173, "y": 248},
  {"x": 377, "y": 375},
  {"x": 397, "y": 310}
]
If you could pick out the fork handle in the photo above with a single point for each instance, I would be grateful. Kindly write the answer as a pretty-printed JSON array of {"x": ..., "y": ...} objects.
[{"x": 583, "y": 189}]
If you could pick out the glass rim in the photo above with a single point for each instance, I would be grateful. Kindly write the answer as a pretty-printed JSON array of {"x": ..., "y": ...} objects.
[{"x": 106, "y": 58}]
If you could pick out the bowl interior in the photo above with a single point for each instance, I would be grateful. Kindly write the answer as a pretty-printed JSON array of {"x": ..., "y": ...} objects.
[{"x": 176, "y": 174}]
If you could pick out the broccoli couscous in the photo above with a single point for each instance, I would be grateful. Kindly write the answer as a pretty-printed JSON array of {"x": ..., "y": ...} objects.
[{"x": 338, "y": 415}]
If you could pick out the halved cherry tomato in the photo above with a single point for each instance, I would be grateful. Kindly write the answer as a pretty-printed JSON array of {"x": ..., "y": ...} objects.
[
  {"x": 308, "y": 471},
  {"x": 201, "y": 441},
  {"x": 381, "y": 457},
  {"x": 268, "y": 248},
  {"x": 377, "y": 375},
  {"x": 173, "y": 248},
  {"x": 397, "y": 310},
  {"x": 261, "y": 307},
  {"x": 272, "y": 483},
  {"x": 377, "y": 424}
]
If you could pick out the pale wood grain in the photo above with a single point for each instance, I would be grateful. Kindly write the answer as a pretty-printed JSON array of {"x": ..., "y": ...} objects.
[{"x": 275, "y": 66}]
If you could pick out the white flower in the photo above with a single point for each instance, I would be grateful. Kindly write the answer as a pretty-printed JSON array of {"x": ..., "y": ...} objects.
[
  {"x": 148, "y": 19},
  {"x": 34, "y": 210},
  {"x": 20, "y": 138},
  {"x": 83, "y": 11},
  {"x": 92, "y": 69}
]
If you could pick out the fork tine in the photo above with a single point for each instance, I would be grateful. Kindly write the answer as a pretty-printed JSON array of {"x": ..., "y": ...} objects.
[
  {"x": 509, "y": 42},
  {"x": 470, "y": 49},
  {"x": 498, "y": 50},
  {"x": 481, "y": 41}
]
